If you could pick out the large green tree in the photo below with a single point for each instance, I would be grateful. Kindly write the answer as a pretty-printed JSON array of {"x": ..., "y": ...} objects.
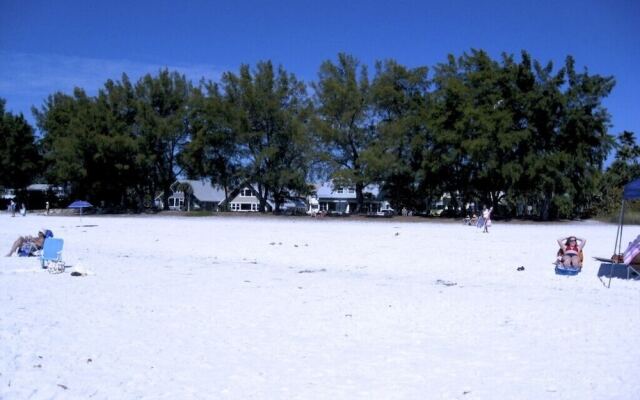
[
  {"x": 271, "y": 109},
  {"x": 19, "y": 158},
  {"x": 121, "y": 166},
  {"x": 344, "y": 122},
  {"x": 399, "y": 99},
  {"x": 68, "y": 124},
  {"x": 161, "y": 122},
  {"x": 518, "y": 133},
  {"x": 119, "y": 147},
  {"x": 91, "y": 145},
  {"x": 213, "y": 150},
  {"x": 624, "y": 168}
]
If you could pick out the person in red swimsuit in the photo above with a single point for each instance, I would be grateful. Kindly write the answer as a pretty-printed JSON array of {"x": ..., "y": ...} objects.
[{"x": 571, "y": 248}]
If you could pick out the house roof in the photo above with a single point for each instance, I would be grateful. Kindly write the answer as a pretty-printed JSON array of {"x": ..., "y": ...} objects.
[
  {"x": 203, "y": 190},
  {"x": 233, "y": 195},
  {"x": 39, "y": 187}
]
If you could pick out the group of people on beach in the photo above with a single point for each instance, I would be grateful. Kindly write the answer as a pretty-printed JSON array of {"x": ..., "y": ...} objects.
[
  {"x": 484, "y": 222},
  {"x": 570, "y": 253},
  {"x": 12, "y": 209}
]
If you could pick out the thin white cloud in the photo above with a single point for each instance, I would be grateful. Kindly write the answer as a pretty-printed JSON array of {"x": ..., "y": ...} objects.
[{"x": 27, "y": 79}]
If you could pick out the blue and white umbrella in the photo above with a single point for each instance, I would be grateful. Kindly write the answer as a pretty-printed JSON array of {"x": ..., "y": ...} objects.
[{"x": 81, "y": 204}]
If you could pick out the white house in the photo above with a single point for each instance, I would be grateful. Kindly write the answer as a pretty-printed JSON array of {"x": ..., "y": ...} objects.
[
  {"x": 8, "y": 194},
  {"x": 342, "y": 199},
  {"x": 200, "y": 195},
  {"x": 245, "y": 199},
  {"x": 332, "y": 199},
  {"x": 45, "y": 188}
]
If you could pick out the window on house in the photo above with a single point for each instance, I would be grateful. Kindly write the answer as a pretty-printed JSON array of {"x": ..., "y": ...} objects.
[
  {"x": 352, "y": 190},
  {"x": 254, "y": 207},
  {"x": 246, "y": 192},
  {"x": 245, "y": 206},
  {"x": 339, "y": 190}
]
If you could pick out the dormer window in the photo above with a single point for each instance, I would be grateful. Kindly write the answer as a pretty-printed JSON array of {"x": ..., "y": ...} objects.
[
  {"x": 339, "y": 189},
  {"x": 352, "y": 190},
  {"x": 246, "y": 192}
]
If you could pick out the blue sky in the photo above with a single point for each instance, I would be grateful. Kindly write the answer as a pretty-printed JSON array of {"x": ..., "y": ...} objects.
[{"x": 46, "y": 46}]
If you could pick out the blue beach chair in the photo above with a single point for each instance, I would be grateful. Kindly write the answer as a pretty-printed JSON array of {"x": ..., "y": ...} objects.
[{"x": 51, "y": 251}]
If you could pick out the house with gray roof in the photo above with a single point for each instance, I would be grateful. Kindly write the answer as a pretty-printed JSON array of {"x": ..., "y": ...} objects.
[
  {"x": 335, "y": 199},
  {"x": 194, "y": 195},
  {"x": 245, "y": 199}
]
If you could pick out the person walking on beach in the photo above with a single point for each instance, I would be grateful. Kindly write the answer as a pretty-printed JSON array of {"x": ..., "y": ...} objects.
[
  {"x": 12, "y": 206},
  {"x": 486, "y": 215},
  {"x": 47, "y": 207}
]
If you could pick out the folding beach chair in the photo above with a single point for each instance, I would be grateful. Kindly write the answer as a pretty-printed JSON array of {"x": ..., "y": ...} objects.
[
  {"x": 29, "y": 249},
  {"x": 51, "y": 256},
  {"x": 561, "y": 269}
]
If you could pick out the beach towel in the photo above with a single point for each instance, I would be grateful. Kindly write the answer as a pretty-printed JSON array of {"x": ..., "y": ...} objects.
[{"x": 632, "y": 251}]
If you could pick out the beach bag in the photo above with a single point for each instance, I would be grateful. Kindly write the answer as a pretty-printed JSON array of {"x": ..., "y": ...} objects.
[
  {"x": 632, "y": 251},
  {"x": 55, "y": 267}
]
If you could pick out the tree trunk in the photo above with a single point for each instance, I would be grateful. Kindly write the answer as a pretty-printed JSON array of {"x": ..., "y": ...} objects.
[
  {"x": 165, "y": 199},
  {"x": 359, "y": 197}
]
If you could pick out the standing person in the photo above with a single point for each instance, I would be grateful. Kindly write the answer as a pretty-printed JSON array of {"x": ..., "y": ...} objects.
[
  {"x": 47, "y": 207},
  {"x": 486, "y": 215},
  {"x": 23, "y": 210},
  {"x": 13, "y": 208}
]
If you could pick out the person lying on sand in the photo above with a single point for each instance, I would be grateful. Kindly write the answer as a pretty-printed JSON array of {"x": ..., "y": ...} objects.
[
  {"x": 38, "y": 242},
  {"x": 571, "y": 248}
]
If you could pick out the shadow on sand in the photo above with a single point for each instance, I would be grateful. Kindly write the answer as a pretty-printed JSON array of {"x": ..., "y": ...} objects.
[{"x": 620, "y": 271}]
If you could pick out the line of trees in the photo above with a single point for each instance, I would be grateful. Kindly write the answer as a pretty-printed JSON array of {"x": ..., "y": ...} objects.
[{"x": 499, "y": 132}]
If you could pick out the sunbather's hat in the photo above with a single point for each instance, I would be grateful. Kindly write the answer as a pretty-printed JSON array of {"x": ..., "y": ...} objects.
[{"x": 43, "y": 231}]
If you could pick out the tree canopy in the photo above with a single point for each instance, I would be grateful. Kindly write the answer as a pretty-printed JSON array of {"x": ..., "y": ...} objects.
[
  {"x": 20, "y": 161},
  {"x": 509, "y": 132}
]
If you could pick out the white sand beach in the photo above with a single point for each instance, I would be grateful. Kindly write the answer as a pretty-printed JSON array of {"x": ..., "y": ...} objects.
[{"x": 298, "y": 308}]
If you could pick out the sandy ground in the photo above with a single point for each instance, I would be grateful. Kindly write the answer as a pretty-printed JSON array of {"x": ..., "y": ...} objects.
[{"x": 297, "y": 308}]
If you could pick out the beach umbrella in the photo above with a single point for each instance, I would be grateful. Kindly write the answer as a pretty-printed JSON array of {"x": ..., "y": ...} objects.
[
  {"x": 80, "y": 204},
  {"x": 630, "y": 192}
]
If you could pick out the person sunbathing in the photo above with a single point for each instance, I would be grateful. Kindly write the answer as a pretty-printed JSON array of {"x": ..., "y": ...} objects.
[
  {"x": 571, "y": 248},
  {"x": 23, "y": 241}
]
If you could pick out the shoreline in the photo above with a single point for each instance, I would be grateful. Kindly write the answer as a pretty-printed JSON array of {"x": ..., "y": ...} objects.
[{"x": 268, "y": 216}]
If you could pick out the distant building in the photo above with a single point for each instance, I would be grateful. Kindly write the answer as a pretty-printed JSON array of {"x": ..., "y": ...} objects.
[
  {"x": 8, "y": 194},
  {"x": 201, "y": 195},
  {"x": 342, "y": 199},
  {"x": 45, "y": 188},
  {"x": 245, "y": 199},
  {"x": 193, "y": 195}
]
